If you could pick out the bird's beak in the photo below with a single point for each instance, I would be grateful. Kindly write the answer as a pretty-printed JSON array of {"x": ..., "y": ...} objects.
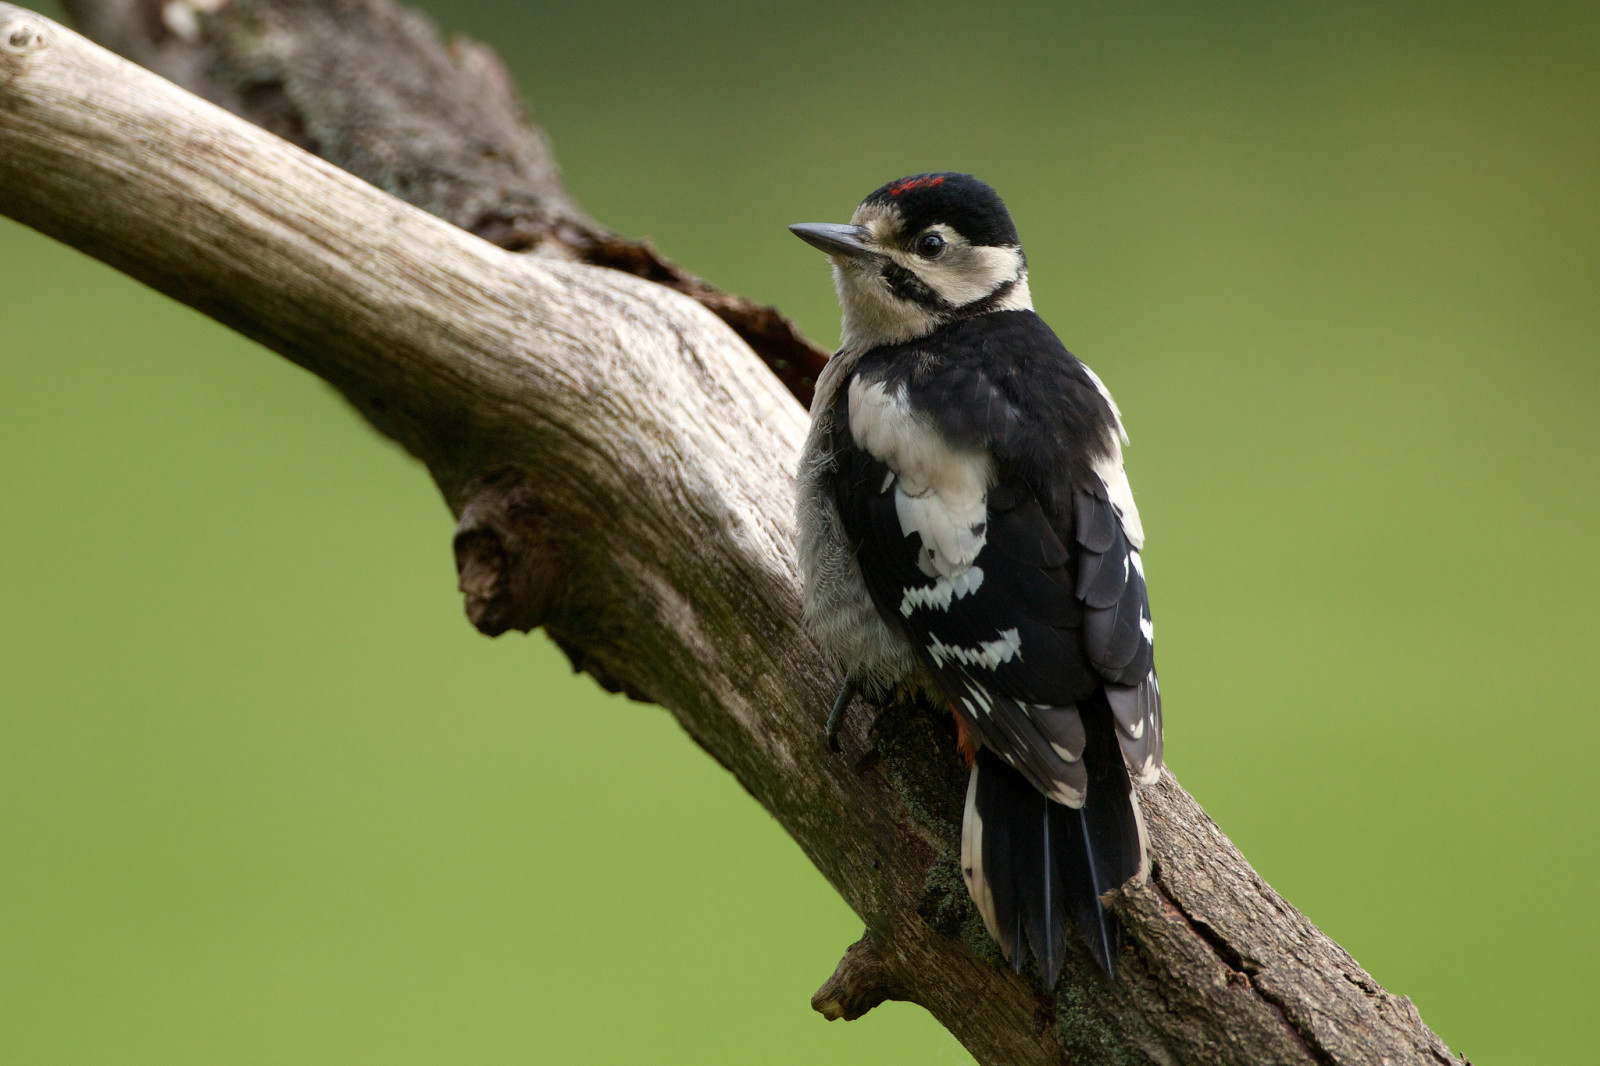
[{"x": 848, "y": 242}]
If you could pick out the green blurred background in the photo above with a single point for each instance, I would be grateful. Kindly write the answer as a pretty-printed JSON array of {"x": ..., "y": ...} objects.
[{"x": 265, "y": 797}]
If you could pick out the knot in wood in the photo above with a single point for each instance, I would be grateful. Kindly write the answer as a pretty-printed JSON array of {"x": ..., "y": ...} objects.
[
  {"x": 20, "y": 32},
  {"x": 504, "y": 558}
]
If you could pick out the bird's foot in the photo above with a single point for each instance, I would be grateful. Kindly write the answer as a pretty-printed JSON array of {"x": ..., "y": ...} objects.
[{"x": 841, "y": 703}]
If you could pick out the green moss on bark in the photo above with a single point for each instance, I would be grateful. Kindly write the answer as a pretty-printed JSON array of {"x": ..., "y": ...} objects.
[{"x": 917, "y": 747}]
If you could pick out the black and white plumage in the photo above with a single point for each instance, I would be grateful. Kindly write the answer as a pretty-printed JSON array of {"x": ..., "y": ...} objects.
[{"x": 966, "y": 527}]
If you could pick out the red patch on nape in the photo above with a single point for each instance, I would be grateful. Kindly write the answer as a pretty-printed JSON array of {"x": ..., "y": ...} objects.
[{"x": 915, "y": 183}]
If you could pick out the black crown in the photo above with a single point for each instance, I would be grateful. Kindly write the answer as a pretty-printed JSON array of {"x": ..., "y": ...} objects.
[{"x": 960, "y": 201}]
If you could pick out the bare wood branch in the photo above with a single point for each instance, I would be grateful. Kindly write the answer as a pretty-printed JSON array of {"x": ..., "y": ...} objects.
[
  {"x": 620, "y": 464},
  {"x": 372, "y": 89}
]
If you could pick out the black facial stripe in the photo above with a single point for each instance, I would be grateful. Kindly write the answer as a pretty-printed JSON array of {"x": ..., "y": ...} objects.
[{"x": 907, "y": 286}]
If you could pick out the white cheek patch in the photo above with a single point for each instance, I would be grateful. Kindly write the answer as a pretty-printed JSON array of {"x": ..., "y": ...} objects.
[
  {"x": 1018, "y": 299},
  {"x": 870, "y": 314},
  {"x": 967, "y": 273},
  {"x": 873, "y": 314},
  {"x": 940, "y": 492}
]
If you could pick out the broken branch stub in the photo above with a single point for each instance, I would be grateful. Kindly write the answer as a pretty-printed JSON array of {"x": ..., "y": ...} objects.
[
  {"x": 509, "y": 574},
  {"x": 857, "y": 985}
]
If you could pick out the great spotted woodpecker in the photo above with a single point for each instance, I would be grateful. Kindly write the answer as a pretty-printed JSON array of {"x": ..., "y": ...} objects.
[{"x": 967, "y": 530}]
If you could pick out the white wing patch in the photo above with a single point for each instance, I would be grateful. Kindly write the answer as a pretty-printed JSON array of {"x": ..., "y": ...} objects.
[
  {"x": 1115, "y": 479},
  {"x": 940, "y": 492},
  {"x": 1110, "y": 469},
  {"x": 989, "y": 654},
  {"x": 1105, "y": 394},
  {"x": 941, "y": 592}
]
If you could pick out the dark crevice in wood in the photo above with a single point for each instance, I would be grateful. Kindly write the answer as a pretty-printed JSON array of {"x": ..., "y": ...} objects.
[
  {"x": 1302, "y": 1038},
  {"x": 1242, "y": 972},
  {"x": 868, "y": 763},
  {"x": 1225, "y": 951},
  {"x": 269, "y": 105}
]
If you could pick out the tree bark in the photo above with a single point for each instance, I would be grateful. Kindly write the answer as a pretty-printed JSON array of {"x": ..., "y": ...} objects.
[{"x": 620, "y": 462}]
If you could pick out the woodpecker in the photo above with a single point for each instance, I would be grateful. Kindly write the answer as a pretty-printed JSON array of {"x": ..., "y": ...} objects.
[{"x": 967, "y": 531}]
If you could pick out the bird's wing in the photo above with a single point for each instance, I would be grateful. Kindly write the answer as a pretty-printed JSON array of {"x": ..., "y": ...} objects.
[{"x": 994, "y": 528}]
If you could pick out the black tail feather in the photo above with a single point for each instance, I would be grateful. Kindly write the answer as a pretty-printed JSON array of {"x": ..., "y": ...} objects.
[{"x": 1034, "y": 865}]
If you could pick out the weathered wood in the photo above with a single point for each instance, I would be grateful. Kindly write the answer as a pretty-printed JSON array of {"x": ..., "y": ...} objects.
[
  {"x": 620, "y": 464},
  {"x": 371, "y": 88}
]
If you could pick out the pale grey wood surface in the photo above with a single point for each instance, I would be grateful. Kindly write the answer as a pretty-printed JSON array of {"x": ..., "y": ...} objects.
[{"x": 621, "y": 465}]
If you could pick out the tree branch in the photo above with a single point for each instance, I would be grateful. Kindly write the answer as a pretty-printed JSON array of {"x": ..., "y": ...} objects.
[
  {"x": 372, "y": 89},
  {"x": 621, "y": 467}
]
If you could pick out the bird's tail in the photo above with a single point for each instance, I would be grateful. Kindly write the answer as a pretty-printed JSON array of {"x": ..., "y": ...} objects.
[{"x": 1034, "y": 865}]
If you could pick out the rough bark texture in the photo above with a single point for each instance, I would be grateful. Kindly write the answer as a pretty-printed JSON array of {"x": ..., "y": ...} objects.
[{"x": 620, "y": 463}]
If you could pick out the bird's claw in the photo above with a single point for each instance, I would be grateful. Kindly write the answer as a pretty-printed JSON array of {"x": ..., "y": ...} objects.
[{"x": 847, "y": 692}]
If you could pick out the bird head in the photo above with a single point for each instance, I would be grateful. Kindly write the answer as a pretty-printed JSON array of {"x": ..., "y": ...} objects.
[{"x": 919, "y": 253}]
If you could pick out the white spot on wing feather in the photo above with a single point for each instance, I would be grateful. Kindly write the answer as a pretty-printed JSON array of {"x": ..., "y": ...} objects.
[
  {"x": 941, "y": 592},
  {"x": 989, "y": 655},
  {"x": 1065, "y": 794}
]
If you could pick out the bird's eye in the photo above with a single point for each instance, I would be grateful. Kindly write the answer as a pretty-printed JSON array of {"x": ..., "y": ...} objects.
[{"x": 930, "y": 246}]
